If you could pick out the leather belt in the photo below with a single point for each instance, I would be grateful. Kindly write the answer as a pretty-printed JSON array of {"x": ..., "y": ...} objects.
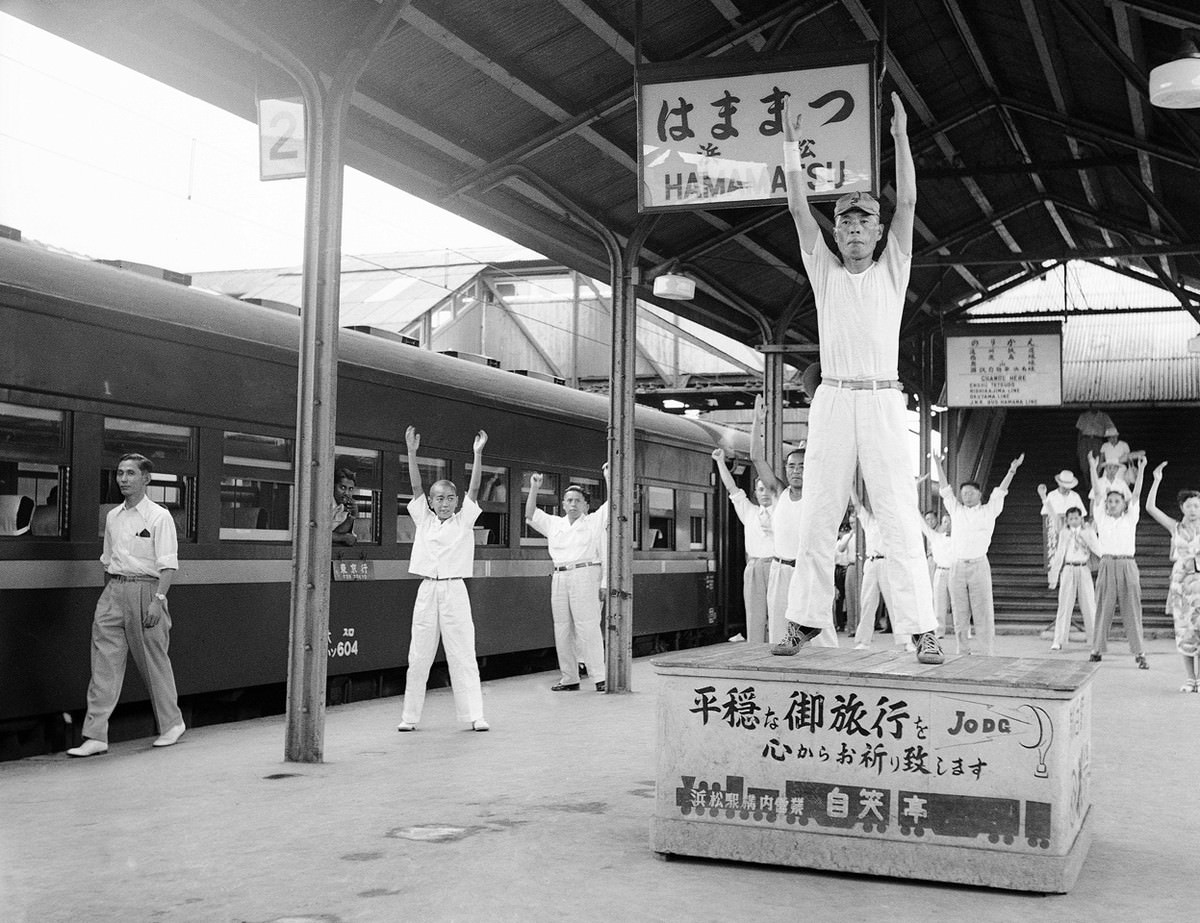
[
  {"x": 941, "y": 567},
  {"x": 573, "y": 566},
  {"x": 790, "y": 562},
  {"x": 875, "y": 557},
  {"x": 1118, "y": 557},
  {"x": 444, "y": 578},
  {"x": 863, "y": 384},
  {"x": 141, "y": 578},
  {"x": 1078, "y": 563}
]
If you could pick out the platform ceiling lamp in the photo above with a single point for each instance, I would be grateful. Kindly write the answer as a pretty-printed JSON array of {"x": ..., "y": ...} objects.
[
  {"x": 1176, "y": 84},
  {"x": 674, "y": 286}
]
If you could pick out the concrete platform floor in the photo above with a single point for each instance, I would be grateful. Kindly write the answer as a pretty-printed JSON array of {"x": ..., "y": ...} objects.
[{"x": 545, "y": 818}]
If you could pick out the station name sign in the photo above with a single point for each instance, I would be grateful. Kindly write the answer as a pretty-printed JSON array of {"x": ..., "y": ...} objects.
[
  {"x": 1004, "y": 365},
  {"x": 710, "y": 135}
]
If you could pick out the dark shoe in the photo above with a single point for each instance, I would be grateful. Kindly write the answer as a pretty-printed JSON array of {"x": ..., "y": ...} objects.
[
  {"x": 583, "y": 669},
  {"x": 600, "y": 686},
  {"x": 928, "y": 649},
  {"x": 564, "y": 687},
  {"x": 1095, "y": 658},
  {"x": 798, "y": 635},
  {"x": 1140, "y": 660}
]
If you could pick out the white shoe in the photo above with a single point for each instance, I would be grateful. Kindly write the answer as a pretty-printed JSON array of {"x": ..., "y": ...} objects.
[
  {"x": 1056, "y": 647},
  {"x": 406, "y": 726},
  {"x": 480, "y": 725},
  {"x": 89, "y": 748},
  {"x": 862, "y": 647},
  {"x": 910, "y": 647},
  {"x": 171, "y": 736}
]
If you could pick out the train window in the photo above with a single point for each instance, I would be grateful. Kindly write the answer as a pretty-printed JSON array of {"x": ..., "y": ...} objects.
[
  {"x": 548, "y": 498},
  {"x": 594, "y": 487},
  {"x": 172, "y": 450},
  {"x": 432, "y": 469},
  {"x": 256, "y": 488},
  {"x": 492, "y": 526},
  {"x": 661, "y": 506},
  {"x": 364, "y": 464},
  {"x": 169, "y": 447},
  {"x": 33, "y": 471},
  {"x": 697, "y": 521}
]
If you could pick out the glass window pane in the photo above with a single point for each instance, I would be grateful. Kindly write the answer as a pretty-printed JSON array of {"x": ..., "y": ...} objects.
[
  {"x": 492, "y": 526},
  {"x": 698, "y": 520},
  {"x": 169, "y": 447},
  {"x": 363, "y": 462},
  {"x": 32, "y": 433},
  {"x": 548, "y": 500},
  {"x": 256, "y": 488},
  {"x": 661, "y": 508},
  {"x": 432, "y": 469}
]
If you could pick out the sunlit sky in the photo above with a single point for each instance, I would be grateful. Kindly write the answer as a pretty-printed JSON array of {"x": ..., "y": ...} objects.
[{"x": 100, "y": 160}]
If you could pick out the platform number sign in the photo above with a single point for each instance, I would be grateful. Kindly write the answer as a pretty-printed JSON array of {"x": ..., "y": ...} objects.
[{"x": 281, "y": 140}]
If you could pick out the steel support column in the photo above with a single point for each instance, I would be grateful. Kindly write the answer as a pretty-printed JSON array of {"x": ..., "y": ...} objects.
[
  {"x": 326, "y": 106},
  {"x": 622, "y": 498}
]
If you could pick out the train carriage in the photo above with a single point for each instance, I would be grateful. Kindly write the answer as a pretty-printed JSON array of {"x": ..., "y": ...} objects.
[{"x": 96, "y": 361}]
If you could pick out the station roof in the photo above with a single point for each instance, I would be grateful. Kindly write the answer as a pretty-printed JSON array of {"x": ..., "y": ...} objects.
[{"x": 1030, "y": 122}]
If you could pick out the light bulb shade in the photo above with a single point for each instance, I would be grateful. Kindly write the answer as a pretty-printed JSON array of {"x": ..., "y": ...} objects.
[
  {"x": 676, "y": 288},
  {"x": 1176, "y": 84}
]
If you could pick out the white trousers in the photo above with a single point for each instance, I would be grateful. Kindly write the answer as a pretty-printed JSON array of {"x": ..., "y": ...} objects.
[
  {"x": 1074, "y": 582},
  {"x": 846, "y": 427},
  {"x": 756, "y": 582},
  {"x": 971, "y": 600},
  {"x": 117, "y": 634},
  {"x": 575, "y": 603},
  {"x": 778, "y": 582},
  {"x": 874, "y": 588},
  {"x": 941, "y": 601},
  {"x": 443, "y": 610}
]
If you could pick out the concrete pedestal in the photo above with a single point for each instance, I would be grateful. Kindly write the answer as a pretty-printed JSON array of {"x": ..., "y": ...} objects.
[{"x": 975, "y": 771}]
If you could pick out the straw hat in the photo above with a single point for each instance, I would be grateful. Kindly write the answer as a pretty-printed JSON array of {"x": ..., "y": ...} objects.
[{"x": 1066, "y": 479}]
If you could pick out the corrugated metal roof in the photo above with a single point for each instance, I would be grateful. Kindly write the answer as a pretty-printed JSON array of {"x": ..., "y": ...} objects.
[{"x": 1143, "y": 359}]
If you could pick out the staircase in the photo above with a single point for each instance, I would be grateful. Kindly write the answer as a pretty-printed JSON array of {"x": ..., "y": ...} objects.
[{"x": 1048, "y": 439}]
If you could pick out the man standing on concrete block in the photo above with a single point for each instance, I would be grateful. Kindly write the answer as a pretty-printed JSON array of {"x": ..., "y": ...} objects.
[{"x": 857, "y": 414}]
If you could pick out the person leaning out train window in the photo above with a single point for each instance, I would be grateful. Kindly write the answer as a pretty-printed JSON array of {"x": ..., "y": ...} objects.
[{"x": 344, "y": 510}]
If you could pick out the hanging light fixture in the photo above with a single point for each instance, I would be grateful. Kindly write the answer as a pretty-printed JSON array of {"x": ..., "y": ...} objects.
[
  {"x": 1176, "y": 84},
  {"x": 675, "y": 287}
]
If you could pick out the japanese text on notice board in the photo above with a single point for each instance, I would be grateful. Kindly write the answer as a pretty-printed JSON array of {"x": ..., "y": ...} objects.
[{"x": 1004, "y": 369}]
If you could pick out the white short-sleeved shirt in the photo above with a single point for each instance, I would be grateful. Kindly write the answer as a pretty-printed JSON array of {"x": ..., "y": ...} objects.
[
  {"x": 443, "y": 549},
  {"x": 939, "y": 548},
  {"x": 1115, "y": 451},
  {"x": 971, "y": 527},
  {"x": 1117, "y": 534},
  {"x": 858, "y": 314},
  {"x": 577, "y": 542},
  {"x": 872, "y": 537},
  {"x": 756, "y": 520},
  {"x": 139, "y": 542},
  {"x": 785, "y": 525},
  {"x": 1057, "y": 503}
]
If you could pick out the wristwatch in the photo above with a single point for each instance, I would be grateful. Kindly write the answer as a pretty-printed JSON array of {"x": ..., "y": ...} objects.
[{"x": 161, "y": 597}]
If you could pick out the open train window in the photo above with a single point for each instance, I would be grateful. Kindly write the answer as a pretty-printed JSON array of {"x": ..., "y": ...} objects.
[
  {"x": 660, "y": 502},
  {"x": 256, "y": 488},
  {"x": 34, "y": 474},
  {"x": 364, "y": 463},
  {"x": 172, "y": 450},
  {"x": 432, "y": 469},
  {"x": 548, "y": 499},
  {"x": 697, "y": 520},
  {"x": 492, "y": 526}
]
